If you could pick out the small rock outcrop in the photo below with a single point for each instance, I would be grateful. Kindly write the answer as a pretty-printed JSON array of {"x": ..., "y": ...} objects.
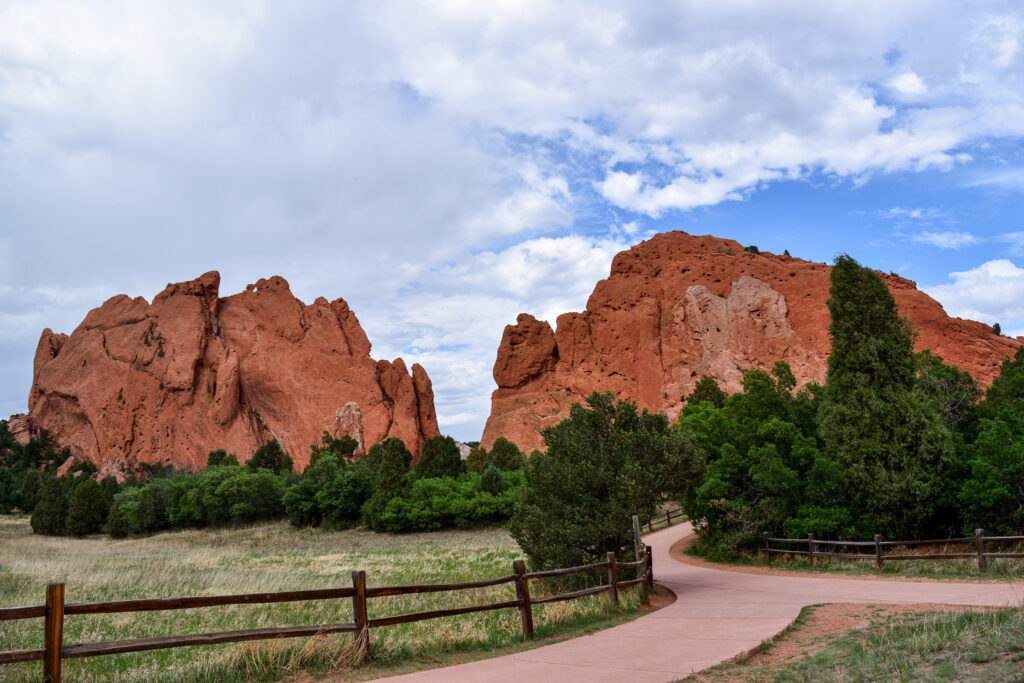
[
  {"x": 679, "y": 306},
  {"x": 170, "y": 380}
]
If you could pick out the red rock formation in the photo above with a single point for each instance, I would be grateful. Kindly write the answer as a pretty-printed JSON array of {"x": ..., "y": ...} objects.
[
  {"x": 169, "y": 381},
  {"x": 679, "y": 306}
]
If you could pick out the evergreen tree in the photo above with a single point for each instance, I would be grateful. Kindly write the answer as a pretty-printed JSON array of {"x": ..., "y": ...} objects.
[
  {"x": 88, "y": 509},
  {"x": 883, "y": 435},
  {"x": 51, "y": 510},
  {"x": 506, "y": 456},
  {"x": 440, "y": 458},
  {"x": 491, "y": 480},
  {"x": 477, "y": 459},
  {"x": 392, "y": 480},
  {"x": 220, "y": 458},
  {"x": 604, "y": 463},
  {"x": 707, "y": 389},
  {"x": 270, "y": 456}
]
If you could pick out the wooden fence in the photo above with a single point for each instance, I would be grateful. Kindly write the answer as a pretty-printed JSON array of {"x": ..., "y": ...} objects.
[
  {"x": 55, "y": 610},
  {"x": 873, "y": 550},
  {"x": 664, "y": 519}
]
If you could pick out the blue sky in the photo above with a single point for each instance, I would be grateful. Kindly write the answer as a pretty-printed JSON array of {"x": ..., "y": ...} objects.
[{"x": 444, "y": 166}]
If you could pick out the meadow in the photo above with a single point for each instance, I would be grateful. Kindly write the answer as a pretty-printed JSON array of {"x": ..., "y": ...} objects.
[{"x": 266, "y": 558}]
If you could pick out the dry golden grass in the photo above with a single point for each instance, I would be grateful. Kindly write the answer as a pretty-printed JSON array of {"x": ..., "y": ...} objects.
[{"x": 264, "y": 558}]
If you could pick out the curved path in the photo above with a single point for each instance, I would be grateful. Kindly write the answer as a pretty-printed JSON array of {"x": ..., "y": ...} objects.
[{"x": 717, "y": 615}]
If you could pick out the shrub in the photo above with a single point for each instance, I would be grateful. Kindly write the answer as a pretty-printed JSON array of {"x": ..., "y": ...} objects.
[
  {"x": 392, "y": 461},
  {"x": 477, "y": 459},
  {"x": 506, "y": 456},
  {"x": 491, "y": 481}
]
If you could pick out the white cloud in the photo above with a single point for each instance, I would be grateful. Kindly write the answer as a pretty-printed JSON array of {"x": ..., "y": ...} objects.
[
  {"x": 946, "y": 240},
  {"x": 919, "y": 213},
  {"x": 992, "y": 292},
  {"x": 908, "y": 84}
]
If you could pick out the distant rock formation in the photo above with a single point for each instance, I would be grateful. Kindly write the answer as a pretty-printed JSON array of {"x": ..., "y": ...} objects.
[
  {"x": 679, "y": 306},
  {"x": 171, "y": 380}
]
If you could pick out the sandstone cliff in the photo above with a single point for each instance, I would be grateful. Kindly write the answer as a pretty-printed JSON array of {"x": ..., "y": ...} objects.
[
  {"x": 679, "y": 306},
  {"x": 190, "y": 372}
]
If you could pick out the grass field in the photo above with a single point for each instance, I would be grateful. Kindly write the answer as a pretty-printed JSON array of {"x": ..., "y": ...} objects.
[
  {"x": 980, "y": 645},
  {"x": 267, "y": 558}
]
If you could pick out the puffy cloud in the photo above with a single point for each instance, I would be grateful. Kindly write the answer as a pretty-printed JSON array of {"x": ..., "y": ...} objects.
[{"x": 994, "y": 291}]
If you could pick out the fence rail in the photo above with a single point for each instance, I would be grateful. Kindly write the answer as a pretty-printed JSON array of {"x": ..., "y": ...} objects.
[
  {"x": 663, "y": 519},
  {"x": 979, "y": 541},
  {"x": 55, "y": 610}
]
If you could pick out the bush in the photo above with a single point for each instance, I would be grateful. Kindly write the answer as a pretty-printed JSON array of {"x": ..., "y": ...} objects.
[
  {"x": 441, "y": 503},
  {"x": 328, "y": 493},
  {"x": 506, "y": 456},
  {"x": 88, "y": 510},
  {"x": 51, "y": 510},
  {"x": 491, "y": 480},
  {"x": 390, "y": 461}
]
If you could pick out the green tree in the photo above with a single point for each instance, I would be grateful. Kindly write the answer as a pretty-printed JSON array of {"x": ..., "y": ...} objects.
[
  {"x": 51, "y": 510},
  {"x": 491, "y": 480},
  {"x": 392, "y": 461},
  {"x": 997, "y": 329},
  {"x": 220, "y": 458},
  {"x": 440, "y": 458},
  {"x": 506, "y": 456},
  {"x": 883, "y": 434},
  {"x": 344, "y": 447},
  {"x": 477, "y": 459},
  {"x": 707, "y": 389},
  {"x": 604, "y": 463},
  {"x": 88, "y": 509},
  {"x": 270, "y": 456}
]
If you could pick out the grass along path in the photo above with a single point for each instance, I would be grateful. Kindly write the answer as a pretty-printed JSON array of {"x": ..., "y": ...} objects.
[
  {"x": 999, "y": 569},
  {"x": 843, "y": 642},
  {"x": 266, "y": 558}
]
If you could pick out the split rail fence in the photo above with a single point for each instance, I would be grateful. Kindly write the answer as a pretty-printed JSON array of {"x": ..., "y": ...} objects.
[
  {"x": 664, "y": 519},
  {"x": 874, "y": 550},
  {"x": 54, "y": 651}
]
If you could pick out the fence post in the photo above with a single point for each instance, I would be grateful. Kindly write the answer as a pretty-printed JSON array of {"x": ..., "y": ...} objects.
[
  {"x": 979, "y": 537},
  {"x": 523, "y": 595},
  {"x": 878, "y": 550},
  {"x": 810, "y": 547},
  {"x": 668, "y": 517},
  {"x": 636, "y": 537},
  {"x": 764, "y": 535},
  {"x": 359, "y": 611},
  {"x": 649, "y": 565},
  {"x": 53, "y": 639},
  {"x": 612, "y": 581}
]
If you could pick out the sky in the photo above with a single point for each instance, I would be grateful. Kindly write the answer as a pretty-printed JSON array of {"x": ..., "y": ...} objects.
[{"x": 445, "y": 166}]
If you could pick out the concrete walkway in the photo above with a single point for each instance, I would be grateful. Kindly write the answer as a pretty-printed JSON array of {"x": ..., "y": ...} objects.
[{"x": 717, "y": 615}]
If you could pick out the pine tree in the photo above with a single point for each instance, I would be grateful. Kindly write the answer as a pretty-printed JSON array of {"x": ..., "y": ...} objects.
[
  {"x": 506, "y": 456},
  {"x": 440, "y": 458},
  {"x": 88, "y": 509},
  {"x": 51, "y": 510},
  {"x": 707, "y": 389},
  {"x": 885, "y": 437},
  {"x": 392, "y": 480}
]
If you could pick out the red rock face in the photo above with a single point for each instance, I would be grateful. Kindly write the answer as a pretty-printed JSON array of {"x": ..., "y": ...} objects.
[
  {"x": 169, "y": 381},
  {"x": 679, "y": 306}
]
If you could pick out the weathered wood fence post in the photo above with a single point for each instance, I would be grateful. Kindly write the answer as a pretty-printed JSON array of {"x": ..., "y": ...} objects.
[
  {"x": 764, "y": 535},
  {"x": 612, "y": 581},
  {"x": 362, "y": 635},
  {"x": 523, "y": 595},
  {"x": 979, "y": 538},
  {"x": 878, "y": 550},
  {"x": 53, "y": 639},
  {"x": 810, "y": 547},
  {"x": 649, "y": 565}
]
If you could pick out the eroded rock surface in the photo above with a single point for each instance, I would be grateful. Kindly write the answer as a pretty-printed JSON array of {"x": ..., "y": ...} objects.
[
  {"x": 170, "y": 380},
  {"x": 678, "y": 306}
]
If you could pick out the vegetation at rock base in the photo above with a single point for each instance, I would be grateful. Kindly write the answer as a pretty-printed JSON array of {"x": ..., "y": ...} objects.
[
  {"x": 895, "y": 443},
  {"x": 87, "y": 511},
  {"x": 440, "y": 458},
  {"x": 270, "y": 456}
]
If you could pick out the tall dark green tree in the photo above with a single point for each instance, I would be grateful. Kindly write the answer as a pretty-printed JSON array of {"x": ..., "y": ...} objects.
[
  {"x": 270, "y": 456},
  {"x": 88, "y": 509},
  {"x": 707, "y": 389},
  {"x": 51, "y": 510},
  {"x": 506, "y": 456},
  {"x": 883, "y": 435},
  {"x": 391, "y": 461},
  {"x": 440, "y": 458}
]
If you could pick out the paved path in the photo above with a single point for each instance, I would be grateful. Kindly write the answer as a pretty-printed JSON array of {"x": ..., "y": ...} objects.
[{"x": 717, "y": 615}]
